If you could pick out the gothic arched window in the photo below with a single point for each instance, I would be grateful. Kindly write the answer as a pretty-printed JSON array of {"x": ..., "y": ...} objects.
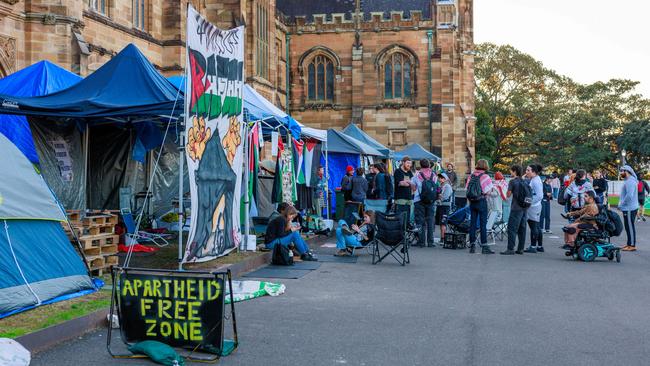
[
  {"x": 320, "y": 79},
  {"x": 398, "y": 75}
]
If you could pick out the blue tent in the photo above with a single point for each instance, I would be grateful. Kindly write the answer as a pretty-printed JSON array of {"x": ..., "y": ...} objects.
[
  {"x": 38, "y": 79},
  {"x": 127, "y": 87},
  {"x": 38, "y": 265},
  {"x": 353, "y": 131},
  {"x": 416, "y": 152}
]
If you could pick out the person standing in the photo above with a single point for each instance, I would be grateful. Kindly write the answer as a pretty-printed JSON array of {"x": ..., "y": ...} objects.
[
  {"x": 358, "y": 186},
  {"x": 545, "y": 222},
  {"x": 404, "y": 187},
  {"x": 444, "y": 203},
  {"x": 497, "y": 196},
  {"x": 629, "y": 205},
  {"x": 478, "y": 186},
  {"x": 502, "y": 188},
  {"x": 535, "y": 210},
  {"x": 517, "y": 219},
  {"x": 453, "y": 178},
  {"x": 370, "y": 177},
  {"x": 555, "y": 185},
  {"x": 643, "y": 189},
  {"x": 426, "y": 194},
  {"x": 600, "y": 187}
]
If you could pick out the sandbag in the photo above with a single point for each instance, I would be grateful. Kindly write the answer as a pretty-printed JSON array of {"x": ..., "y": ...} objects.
[{"x": 158, "y": 352}]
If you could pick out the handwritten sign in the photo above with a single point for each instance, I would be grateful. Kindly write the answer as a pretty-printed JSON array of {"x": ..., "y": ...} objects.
[{"x": 179, "y": 310}]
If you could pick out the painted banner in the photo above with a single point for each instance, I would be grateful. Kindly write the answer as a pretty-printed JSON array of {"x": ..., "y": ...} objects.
[{"x": 214, "y": 130}]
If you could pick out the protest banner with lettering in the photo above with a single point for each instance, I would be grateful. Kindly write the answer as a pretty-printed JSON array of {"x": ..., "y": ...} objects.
[
  {"x": 178, "y": 310},
  {"x": 214, "y": 130}
]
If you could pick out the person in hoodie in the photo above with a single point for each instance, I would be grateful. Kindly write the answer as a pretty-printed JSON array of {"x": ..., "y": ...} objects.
[
  {"x": 575, "y": 193},
  {"x": 534, "y": 213},
  {"x": 478, "y": 208},
  {"x": 425, "y": 212},
  {"x": 629, "y": 205}
]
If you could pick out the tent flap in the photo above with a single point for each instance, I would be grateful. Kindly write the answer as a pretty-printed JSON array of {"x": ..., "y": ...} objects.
[{"x": 355, "y": 132}]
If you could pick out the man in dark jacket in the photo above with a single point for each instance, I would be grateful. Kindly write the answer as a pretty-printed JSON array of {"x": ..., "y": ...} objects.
[
  {"x": 357, "y": 186},
  {"x": 600, "y": 187},
  {"x": 545, "y": 222}
]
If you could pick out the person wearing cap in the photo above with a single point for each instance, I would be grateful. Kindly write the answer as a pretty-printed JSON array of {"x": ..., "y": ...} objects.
[
  {"x": 444, "y": 203},
  {"x": 629, "y": 205}
]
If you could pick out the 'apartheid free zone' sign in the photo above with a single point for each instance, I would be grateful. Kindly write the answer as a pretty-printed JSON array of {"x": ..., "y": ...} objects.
[{"x": 181, "y": 311}]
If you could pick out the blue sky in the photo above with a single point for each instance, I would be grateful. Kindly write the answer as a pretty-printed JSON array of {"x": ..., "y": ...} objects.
[{"x": 587, "y": 40}]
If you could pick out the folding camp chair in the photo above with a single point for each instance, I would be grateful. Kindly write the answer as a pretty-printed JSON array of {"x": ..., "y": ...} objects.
[
  {"x": 493, "y": 216},
  {"x": 390, "y": 237},
  {"x": 132, "y": 237}
]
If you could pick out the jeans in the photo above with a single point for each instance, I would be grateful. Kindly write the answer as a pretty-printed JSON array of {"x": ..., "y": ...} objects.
[
  {"x": 556, "y": 192},
  {"x": 628, "y": 219},
  {"x": 404, "y": 208},
  {"x": 545, "y": 221},
  {"x": 293, "y": 238},
  {"x": 343, "y": 241},
  {"x": 517, "y": 229},
  {"x": 425, "y": 215},
  {"x": 535, "y": 233},
  {"x": 479, "y": 214}
]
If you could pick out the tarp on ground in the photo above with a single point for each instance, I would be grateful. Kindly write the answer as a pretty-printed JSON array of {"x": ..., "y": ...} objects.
[
  {"x": 354, "y": 131},
  {"x": 38, "y": 79},
  {"x": 338, "y": 142},
  {"x": 248, "y": 290},
  {"x": 127, "y": 87},
  {"x": 37, "y": 262},
  {"x": 416, "y": 152}
]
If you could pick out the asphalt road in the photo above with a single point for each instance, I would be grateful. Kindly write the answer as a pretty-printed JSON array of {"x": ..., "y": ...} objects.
[{"x": 445, "y": 308}]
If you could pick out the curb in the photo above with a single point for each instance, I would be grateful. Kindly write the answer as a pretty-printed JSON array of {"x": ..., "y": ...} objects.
[{"x": 47, "y": 338}]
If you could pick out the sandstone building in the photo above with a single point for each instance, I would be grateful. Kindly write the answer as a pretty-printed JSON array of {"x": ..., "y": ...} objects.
[{"x": 402, "y": 69}]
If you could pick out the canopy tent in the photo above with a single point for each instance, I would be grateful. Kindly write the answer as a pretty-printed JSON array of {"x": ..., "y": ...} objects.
[
  {"x": 126, "y": 88},
  {"x": 338, "y": 142},
  {"x": 353, "y": 131},
  {"x": 416, "y": 152},
  {"x": 38, "y": 79},
  {"x": 37, "y": 262}
]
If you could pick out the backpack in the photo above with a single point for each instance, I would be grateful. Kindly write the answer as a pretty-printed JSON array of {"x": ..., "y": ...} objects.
[
  {"x": 281, "y": 256},
  {"x": 474, "y": 190},
  {"x": 616, "y": 227},
  {"x": 523, "y": 195},
  {"x": 429, "y": 190},
  {"x": 560, "y": 196}
]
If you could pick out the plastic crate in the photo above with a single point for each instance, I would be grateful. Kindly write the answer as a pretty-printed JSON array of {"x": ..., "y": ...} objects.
[{"x": 455, "y": 241}]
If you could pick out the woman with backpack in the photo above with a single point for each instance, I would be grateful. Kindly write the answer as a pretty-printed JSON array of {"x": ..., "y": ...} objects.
[
  {"x": 478, "y": 186},
  {"x": 426, "y": 194},
  {"x": 534, "y": 213},
  {"x": 518, "y": 190}
]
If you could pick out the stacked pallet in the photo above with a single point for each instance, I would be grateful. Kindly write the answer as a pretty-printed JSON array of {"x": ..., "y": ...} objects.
[{"x": 95, "y": 231}]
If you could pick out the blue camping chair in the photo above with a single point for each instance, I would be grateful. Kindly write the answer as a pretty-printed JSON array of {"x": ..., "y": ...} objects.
[{"x": 132, "y": 237}]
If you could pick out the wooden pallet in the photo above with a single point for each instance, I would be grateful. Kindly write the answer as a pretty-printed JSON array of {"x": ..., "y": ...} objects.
[
  {"x": 109, "y": 249},
  {"x": 91, "y": 241},
  {"x": 111, "y": 260},
  {"x": 96, "y": 262},
  {"x": 101, "y": 229}
]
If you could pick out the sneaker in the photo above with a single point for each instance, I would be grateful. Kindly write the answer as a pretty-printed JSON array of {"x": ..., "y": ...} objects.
[
  {"x": 341, "y": 253},
  {"x": 486, "y": 250},
  {"x": 308, "y": 257},
  {"x": 631, "y": 249},
  {"x": 540, "y": 249},
  {"x": 548, "y": 232},
  {"x": 531, "y": 249},
  {"x": 520, "y": 252},
  {"x": 508, "y": 252},
  {"x": 472, "y": 249},
  {"x": 626, "y": 248}
]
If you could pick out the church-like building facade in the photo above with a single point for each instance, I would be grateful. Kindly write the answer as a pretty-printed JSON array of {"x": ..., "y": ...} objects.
[{"x": 401, "y": 69}]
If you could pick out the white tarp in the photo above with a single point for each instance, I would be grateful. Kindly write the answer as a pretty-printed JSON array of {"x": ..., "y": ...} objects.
[{"x": 214, "y": 135}]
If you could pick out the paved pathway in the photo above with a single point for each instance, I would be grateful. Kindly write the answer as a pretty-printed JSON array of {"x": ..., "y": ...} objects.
[{"x": 446, "y": 308}]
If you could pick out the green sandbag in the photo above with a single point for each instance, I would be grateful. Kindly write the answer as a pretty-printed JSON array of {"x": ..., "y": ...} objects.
[{"x": 158, "y": 352}]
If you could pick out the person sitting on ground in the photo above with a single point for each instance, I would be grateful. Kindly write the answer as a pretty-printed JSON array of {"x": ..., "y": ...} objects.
[
  {"x": 281, "y": 231},
  {"x": 355, "y": 236},
  {"x": 278, "y": 211},
  {"x": 586, "y": 219}
]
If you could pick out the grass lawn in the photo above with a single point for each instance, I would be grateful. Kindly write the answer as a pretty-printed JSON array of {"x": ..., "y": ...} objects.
[
  {"x": 48, "y": 315},
  {"x": 613, "y": 200}
]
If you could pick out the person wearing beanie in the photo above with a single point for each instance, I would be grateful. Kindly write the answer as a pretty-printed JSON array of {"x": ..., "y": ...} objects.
[{"x": 629, "y": 205}]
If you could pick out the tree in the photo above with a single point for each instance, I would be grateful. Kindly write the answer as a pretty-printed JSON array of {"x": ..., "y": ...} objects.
[
  {"x": 635, "y": 139},
  {"x": 485, "y": 142}
]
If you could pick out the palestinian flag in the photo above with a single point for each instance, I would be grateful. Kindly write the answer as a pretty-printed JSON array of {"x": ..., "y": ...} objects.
[
  {"x": 276, "y": 192},
  {"x": 298, "y": 149},
  {"x": 312, "y": 162}
]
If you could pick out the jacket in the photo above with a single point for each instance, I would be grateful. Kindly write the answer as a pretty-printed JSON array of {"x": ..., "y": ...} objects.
[
  {"x": 586, "y": 214},
  {"x": 419, "y": 178},
  {"x": 629, "y": 199},
  {"x": 575, "y": 193}
]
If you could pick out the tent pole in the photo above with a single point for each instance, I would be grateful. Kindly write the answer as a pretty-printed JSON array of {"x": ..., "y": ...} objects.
[
  {"x": 84, "y": 185},
  {"x": 246, "y": 196},
  {"x": 181, "y": 212},
  {"x": 327, "y": 182}
]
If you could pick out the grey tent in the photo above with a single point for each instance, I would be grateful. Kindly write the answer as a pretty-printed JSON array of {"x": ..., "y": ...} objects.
[
  {"x": 416, "y": 152},
  {"x": 355, "y": 132},
  {"x": 339, "y": 142}
]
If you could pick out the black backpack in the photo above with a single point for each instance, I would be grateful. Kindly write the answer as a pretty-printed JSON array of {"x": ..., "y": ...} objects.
[
  {"x": 474, "y": 190},
  {"x": 616, "y": 227},
  {"x": 523, "y": 194},
  {"x": 560, "y": 197},
  {"x": 281, "y": 256},
  {"x": 429, "y": 191}
]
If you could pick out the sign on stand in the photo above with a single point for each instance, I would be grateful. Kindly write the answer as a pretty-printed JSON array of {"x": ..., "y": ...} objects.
[{"x": 181, "y": 309}]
